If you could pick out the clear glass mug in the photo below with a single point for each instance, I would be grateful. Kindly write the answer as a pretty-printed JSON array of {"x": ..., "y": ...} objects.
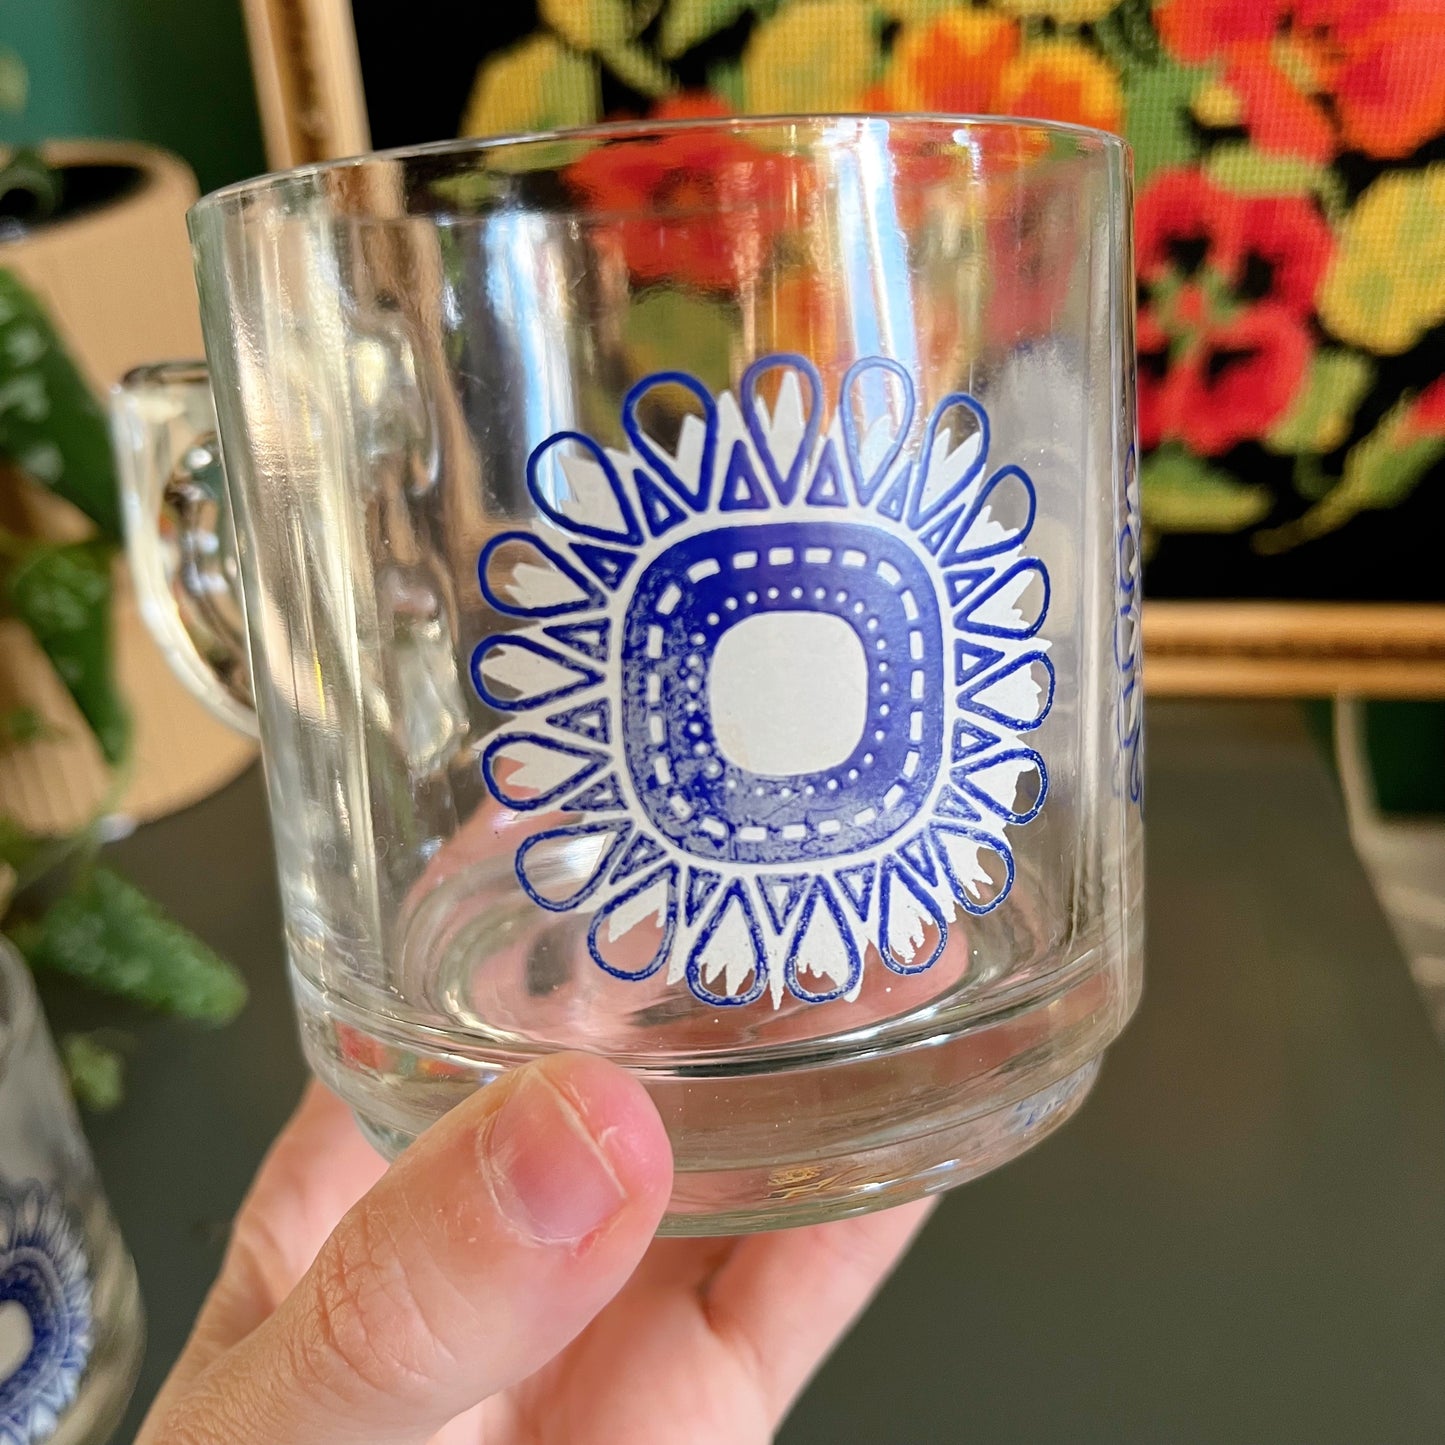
[
  {"x": 684, "y": 578},
  {"x": 72, "y": 1330}
]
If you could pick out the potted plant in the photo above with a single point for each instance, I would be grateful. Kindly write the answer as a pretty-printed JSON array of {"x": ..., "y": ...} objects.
[
  {"x": 68, "y": 756},
  {"x": 96, "y": 231}
]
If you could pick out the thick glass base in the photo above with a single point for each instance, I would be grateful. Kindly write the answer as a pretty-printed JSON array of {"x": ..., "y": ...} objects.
[
  {"x": 741, "y": 1200},
  {"x": 776, "y": 1138},
  {"x": 119, "y": 1325}
]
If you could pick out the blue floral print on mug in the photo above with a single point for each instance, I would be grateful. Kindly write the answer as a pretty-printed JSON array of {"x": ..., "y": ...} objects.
[
  {"x": 771, "y": 683},
  {"x": 45, "y": 1312}
]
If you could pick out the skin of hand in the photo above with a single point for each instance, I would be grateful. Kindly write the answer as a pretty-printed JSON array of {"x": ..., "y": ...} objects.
[{"x": 500, "y": 1284}]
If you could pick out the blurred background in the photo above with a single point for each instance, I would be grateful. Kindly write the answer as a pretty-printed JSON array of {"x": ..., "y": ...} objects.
[{"x": 172, "y": 73}]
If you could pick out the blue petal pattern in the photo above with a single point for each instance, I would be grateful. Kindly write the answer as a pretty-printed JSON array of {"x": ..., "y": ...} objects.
[
  {"x": 753, "y": 517},
  {"x": 44, "y": 1271}
]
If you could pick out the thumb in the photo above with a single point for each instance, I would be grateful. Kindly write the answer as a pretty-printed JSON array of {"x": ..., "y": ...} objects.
[{"x": 484, "y": 1250}]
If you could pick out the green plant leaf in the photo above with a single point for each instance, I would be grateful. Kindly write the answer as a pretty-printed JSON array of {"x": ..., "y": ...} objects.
[
  {"x": 1157, "y": 121},
  {"x": 1311, "y": 480},
  {"x": 686, "y": 22},
  {"x": 18, "y": 847},
  {"x": 106, "y": 933},
  {"x": 725, "y": 80},
  {"x": 1181, "y": 493},
  {"x": 96, "y": 1071},
  {"x": 51, "y": 426},
  {"x": 62, "y": 593},
  {"x": 663, "y": 324},
  {"x": 26, "y": 857},
  {"x": 1158, "y": 88},
  {"x": 636, "y": 67},
  {"x": 1379, "y": 473},
  {"x": 471, "y": 192},
  {"x": 22, "y": 725},
  {"x": 1249, "y": 172},
  {"x": 1320, "y": 419},
  {"x": 1382, "y": 471}
]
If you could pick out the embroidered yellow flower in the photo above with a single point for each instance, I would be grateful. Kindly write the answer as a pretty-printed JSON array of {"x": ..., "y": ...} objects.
[
  {"x": 1062, "y": 80},
  {"x": 1386, "y": 288},
  {"x": 819, "y": 55},
  {"x": 534, "y": 85},
  {"x": 951, "y": 65},
  {"x": 1217, "y": 106},
  {"x": 588, "y": 24},
  {"x": 976, "y": 62}
]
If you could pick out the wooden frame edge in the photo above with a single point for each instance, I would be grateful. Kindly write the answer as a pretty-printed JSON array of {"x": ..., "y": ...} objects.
[
  {"x": 1294, "y": 649},
  {"x": 308, "y": 80}
]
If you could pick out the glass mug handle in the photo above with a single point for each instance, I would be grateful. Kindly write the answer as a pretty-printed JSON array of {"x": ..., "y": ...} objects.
[{"x": 179, "y": 533}]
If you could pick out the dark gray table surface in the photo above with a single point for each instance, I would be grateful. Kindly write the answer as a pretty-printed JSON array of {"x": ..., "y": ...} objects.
[{"x": 1240, "y": 1239}]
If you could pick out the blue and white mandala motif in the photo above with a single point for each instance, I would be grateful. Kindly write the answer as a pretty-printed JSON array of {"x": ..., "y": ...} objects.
[
  {"x": 45, "y": 1312},
  {"x": 774, "y": 680}
]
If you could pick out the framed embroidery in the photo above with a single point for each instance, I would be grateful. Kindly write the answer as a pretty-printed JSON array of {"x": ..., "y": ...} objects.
[{"x": 1290, "y": 249}]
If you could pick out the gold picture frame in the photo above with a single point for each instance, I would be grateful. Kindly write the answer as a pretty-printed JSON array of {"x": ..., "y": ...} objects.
[
  {"x": 308, "y": 80},
  {"x": 313, "y": 108}
]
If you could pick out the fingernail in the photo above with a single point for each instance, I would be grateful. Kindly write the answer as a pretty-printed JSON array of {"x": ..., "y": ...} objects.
[{"x": 548, "y": 1175}]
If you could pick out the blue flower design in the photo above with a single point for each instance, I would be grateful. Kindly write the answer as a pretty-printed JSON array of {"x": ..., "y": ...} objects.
[
  {"x": 45, "y": 1312},
  {"x": 772, "y": 680}
]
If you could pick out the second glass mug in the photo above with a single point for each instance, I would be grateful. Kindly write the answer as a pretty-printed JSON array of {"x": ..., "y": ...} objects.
[{"x": 684, "y": 578}]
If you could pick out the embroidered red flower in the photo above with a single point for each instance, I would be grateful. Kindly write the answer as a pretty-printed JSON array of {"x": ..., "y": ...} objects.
[
  {"x": 969, "y": 61},
  {"x": 1426, "y": 416},
  {"x": 1033, "y": 245},
  {"x": 1226, "y": 288},
  {"x": 360, "y": 1050},
  {"x": 690, "y": 105},
  {"x": 1317, "y": 76},
  {"x": 698, "y": 207}
]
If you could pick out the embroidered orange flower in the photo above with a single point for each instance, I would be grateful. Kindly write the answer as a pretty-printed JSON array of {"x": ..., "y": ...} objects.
[
  {"x": 975, "y": 62},
  {"x": 690, "y": 105},
  {"x": 1227, "y": 284},
  {"x": 952, "y": 65},
  {"x": 799, "y": 311},
  {"x": 1314, "y": 77},
  {"x": 700, "y": 208},
  {"x": 1061, "y": 80},
  {"x": 1032, "y": 244},
  {"x": 361, "y": 1051}
]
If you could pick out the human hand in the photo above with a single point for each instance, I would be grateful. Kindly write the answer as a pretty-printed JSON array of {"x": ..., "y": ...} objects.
[{"x": 500, "y": 1283}]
